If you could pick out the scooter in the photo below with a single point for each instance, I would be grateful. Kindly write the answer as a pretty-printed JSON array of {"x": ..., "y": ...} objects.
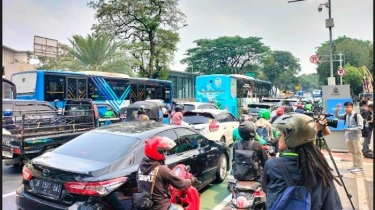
[
  {"x": 188, "y": 198},
  {"x": 248, "y": 194}
]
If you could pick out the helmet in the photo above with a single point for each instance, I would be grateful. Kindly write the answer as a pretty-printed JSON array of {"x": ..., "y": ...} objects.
[
  {"x": 141, "y": 109},
  {"x": 298, "y": 128},
  {"x": 245, "y": 110},
  {"x": 244, "y": 118},
  {"x": 154, "y": 147},
  {"x": 8, "y": 112},
  {"x": 178, "y": 107},
  {"x": 247, "y": 130},
  {"x": 299, "y": 106},
  {"x": 264, "y": 113},
  {"x": 280, "y": 111}
]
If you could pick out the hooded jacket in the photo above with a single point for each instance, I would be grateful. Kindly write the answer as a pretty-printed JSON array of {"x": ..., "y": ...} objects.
[{"x": 164, "y": 178}]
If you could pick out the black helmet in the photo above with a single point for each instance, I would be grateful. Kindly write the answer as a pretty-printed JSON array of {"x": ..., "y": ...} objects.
[
  {"x": 247, "y": 130},
  {"x": 178, "y": 107}
]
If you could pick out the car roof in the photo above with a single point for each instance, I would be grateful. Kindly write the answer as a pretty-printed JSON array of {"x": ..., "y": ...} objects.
[
  {"x": 135, "y": 129},
  {"x": 212, "y": 111},
  {"x": 269, "y": 104}
]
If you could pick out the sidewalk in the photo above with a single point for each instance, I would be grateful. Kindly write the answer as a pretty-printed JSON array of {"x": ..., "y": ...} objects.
[{"x": 359, "y": 186}]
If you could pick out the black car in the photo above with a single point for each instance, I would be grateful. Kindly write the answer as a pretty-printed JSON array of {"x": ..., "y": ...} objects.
[{"x": 88, "y": 171}]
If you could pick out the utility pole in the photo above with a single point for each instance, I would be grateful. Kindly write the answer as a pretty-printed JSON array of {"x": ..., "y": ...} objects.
[
  {"x": 329, "y": 24},
  {"x": 341, "y": 60}
]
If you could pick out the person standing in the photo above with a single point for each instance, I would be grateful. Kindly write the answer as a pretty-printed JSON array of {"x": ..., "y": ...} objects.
[
  {"x": 177, "y": 116},
  {"x": 367, "y": 140},
  {"x": 354, "y": 125}
]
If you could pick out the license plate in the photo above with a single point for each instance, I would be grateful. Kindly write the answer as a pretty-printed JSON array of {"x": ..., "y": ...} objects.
[
  {"x": 49, "y": 189},
  {"x": 8, "y": 154}
]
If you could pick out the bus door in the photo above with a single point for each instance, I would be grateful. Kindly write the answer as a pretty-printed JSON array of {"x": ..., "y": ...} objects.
[{"x": 77, "y": 88}]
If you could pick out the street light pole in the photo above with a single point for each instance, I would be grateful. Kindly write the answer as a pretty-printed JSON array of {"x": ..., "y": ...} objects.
[{"x": 330, "y": 44}]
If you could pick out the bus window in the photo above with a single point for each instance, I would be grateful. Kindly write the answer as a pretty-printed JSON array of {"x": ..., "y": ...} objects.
[
  {"x": 82, "y": 88},
  {"x": 72, "y": 88},
  {"x": 118, "y": 86},
  {"x": 94, "y": 92},
  {"x": 54, "y": 87},
  {"x": 26, "y": 83}
]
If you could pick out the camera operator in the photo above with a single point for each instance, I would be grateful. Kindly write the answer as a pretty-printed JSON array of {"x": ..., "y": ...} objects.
[
  {"x": 304, "y": 162},
  {"x": 353, "y": 127}
]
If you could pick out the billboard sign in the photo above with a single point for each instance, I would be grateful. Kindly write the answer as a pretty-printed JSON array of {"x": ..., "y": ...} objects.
[{"x": 45, "y": 47}]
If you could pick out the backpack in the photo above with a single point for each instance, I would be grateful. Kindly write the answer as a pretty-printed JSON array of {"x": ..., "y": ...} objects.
[
  {"x": 263, "y": 133},
  {"x": 293, "y": 197},
  {"x": 366, "y": 127},
  {"x": 245, "y": 167}
]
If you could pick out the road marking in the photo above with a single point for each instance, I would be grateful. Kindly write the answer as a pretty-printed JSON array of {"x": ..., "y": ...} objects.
[
  {"x": 9, "y": 194},
  {"x": 223, "y": 203}
]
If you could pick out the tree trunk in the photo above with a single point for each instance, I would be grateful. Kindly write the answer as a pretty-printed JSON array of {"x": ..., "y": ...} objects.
[{"x": 152, "y": 54}]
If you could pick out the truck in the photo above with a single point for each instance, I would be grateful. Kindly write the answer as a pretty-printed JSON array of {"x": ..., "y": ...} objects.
[{"x": 32, "y": 132}]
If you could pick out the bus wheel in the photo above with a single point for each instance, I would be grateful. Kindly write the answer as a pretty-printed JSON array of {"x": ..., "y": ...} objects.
[{"x": 222, "y": 139}]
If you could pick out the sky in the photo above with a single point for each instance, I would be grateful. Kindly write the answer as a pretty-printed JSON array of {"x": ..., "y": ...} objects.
[{"x": 295, "y": 27}]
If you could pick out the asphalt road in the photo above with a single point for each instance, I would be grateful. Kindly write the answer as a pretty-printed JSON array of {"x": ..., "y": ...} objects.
[{"x": 12, "y": 177}]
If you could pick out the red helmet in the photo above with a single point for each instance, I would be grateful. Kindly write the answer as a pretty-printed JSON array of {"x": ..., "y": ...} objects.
[
  {"x": 155, "y": 146},
  {"x": 280, "y": 111},
  {"x": 299, "y": 106}
]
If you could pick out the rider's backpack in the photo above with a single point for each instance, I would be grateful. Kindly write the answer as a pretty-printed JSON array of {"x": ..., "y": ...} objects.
[
  {"x": 263, "y": 133},
  {"x": 293, "y": 197},
  {"x": 245, "y": 165}
]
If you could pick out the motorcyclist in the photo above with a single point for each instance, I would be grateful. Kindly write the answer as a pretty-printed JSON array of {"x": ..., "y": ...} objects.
[
  {"x": 279, "y": 112},
  {"x": 177, "y": 116},
  {"x": 142, "y": 117},
  {"x": 154, "y": 150},
  {"x": 247, "y": 131},
  {"x": 299, "y": 108},
  {"x": 236, "y": 135}
]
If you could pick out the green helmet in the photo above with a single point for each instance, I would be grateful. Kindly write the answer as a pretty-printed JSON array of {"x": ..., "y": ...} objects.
[
  {"x": 299, "y": 129},
  {"x": 264, "y": 113}
]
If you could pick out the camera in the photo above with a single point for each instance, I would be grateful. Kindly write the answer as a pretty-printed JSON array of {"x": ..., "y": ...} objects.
[{"x": 321, "y": 116}]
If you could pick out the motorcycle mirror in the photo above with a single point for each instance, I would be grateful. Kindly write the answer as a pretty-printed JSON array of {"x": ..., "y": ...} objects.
[{"x": 188, "y": 168}]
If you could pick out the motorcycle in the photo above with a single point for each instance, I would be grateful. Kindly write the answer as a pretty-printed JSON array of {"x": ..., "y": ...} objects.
[
  {"x": 188, "y": 198},
  {"x": 248, "y": 194}
]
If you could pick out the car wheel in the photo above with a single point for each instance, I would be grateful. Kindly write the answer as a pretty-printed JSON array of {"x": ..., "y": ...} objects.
[
  {"x": 222, "y": 139},
  {"x": 222, "y": 167}
]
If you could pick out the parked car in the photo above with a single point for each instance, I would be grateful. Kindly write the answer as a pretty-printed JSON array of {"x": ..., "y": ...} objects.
[
  {"x": 254, "y": 108},
  {"x": 188, "y": 106},
  {"x": 81, "y": 173},
  {"x": 279, "y": 102},
  {"x": 215, "y": 124}
]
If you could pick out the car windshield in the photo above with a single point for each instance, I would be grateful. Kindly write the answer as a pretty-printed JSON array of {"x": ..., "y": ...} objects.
[
  {"x": 96, "y": 146},
  {"x": 273, "y": 101},
  {"x": 189, "y": 107},
  {"x": 254, "y": 110},
  {"x": 197, "y": 118}
]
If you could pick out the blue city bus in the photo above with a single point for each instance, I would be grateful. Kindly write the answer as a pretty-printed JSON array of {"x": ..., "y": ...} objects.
[
  {"x": 117, "y": 90},
  {"x": 231, "y": 91}
]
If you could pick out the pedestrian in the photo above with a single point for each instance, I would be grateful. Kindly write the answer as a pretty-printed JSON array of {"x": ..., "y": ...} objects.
[
  {"x": 177, "y": 116},
  {"x": 353, "y": 126},
  {"x": 303, "y": 161},
  {"x": 367, "y": 140}
]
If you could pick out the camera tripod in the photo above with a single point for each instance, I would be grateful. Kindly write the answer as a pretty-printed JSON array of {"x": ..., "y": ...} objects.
[{"x": 319, "y": 143}]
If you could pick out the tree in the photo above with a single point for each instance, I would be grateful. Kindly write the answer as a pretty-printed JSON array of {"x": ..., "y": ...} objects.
[
  {"x": 353, "y": 77},
  {"x": 93, "y": 53},
  {"x": 138, "y": 21},
  {"x": 281, "y": 68},
  {"x": 225, "y": 55},
  {"x": 357, "y": 52},
  {"x": 309, "y": 82},
  {"x": 166, "y": 46}
]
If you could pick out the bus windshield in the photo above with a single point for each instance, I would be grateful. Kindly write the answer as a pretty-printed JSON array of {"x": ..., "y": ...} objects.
[{"x": 26, "y": 82}]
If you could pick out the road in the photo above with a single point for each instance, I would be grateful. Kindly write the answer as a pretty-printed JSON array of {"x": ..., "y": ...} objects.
[
  {"x": 12, "y": 177},
  {"x": 211, "y": 196}
]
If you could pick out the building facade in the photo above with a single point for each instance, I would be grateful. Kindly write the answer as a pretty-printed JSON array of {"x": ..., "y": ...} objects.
[
  {"x": 183, "y": 85},
  {"x": 16, "y": 61}
]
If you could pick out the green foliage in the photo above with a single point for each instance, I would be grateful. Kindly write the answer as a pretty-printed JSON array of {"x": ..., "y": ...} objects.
[
  {"x": 281, "y": 68},
  {"x": 225, "y": 55},
  {"x": 139, "y": 22},
  {"x": 357, "y": 52},
  {"x": 354, "y": 77},
  {"x": 309, "y": 82}
]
